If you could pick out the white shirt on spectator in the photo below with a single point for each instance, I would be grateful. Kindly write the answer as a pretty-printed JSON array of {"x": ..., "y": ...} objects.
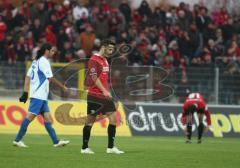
[
  {"x": 39, "y": 72},
  {"x": 78, "y": 12}
]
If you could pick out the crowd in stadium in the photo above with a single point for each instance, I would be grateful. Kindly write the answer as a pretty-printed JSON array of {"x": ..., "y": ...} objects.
[{"x": 173, "y": 37}]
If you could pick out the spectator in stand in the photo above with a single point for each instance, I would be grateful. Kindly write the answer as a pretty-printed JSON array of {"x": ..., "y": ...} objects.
[
  {"x": 101, "y": 26},
  {"x": 171, "y": 16},
  {"x": 59, "y": 12},
  {"x": 221, "y": 17},
  {"x": 161, "y": 50},
  {"x": 124, "y": 38},
  {"x": 55, "y": 23},
  {"x": 126, "y": 10},
  {"x": 25, "y": 10},
  {"x": 144, "y": 9},
  {"x": 136, "y": 17},
  {"x": 104, "y": 7},
  {"x": 233, "y": 50},
  {"x": 210, "y": 32},
  {"x": 37, "y": 29},
  {"x": 184, "y": 44},
  {"x": 61, "y": 38},
  {"x": 202, "y": 20},
  {"x": 175, "y": 54},
  {"x": 114, "y": 24},
  {"x": 80, "y": 54},
  {"x": 22, "y": 49},
  {"x": 228, "y": 30},
  {"x": 195, "y": 41},
  {"x": 188, "y": 13},
  {"x": 69, "y": 30},
  {"x": 41, "y": 13},
  {"x": 135, "y": 57},
  {"x": 67, "y": 7},
  {"x": 159, "y": 17},
  {"x": 30, "y": 41},
  {"x": 50, "y": 36},
  {"x": 68, "y": 53},
  {"x": 23, "y": 53},
  {"x": 3, "y": 29},
  {"x": 183, "y": 21},
  {"x": 211, "y": 50},
  {"x": 122, "y": 24},
  {"x": 79, "y": 12},
  {"x": 144, "y": 48},
  {"x": 6, "y": 11},
  {"x": 87, "y": 40},
  {"x": 10, "y": 54},
  {"x": 48, "y": 5},
  {"x": 172, "y": 36},
  {"x": 219, "y": 39},
  {"x": 10, "y": 57}
]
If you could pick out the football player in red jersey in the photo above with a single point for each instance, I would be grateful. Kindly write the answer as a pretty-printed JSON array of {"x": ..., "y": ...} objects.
[
  {"x": 195, "y": 103},
  {"x": 99, "y": 98}
]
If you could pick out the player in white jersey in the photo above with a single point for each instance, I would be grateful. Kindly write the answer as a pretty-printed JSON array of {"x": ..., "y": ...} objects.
[{"x": 38, "y": 77}]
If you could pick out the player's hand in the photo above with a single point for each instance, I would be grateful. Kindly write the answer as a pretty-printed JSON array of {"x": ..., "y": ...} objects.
[
  {"x": 24, "y": 97},
  {"x": 66, "y": 90},
  {"x": 206, "y": 129},
  {"x": 107, "y": 95}
]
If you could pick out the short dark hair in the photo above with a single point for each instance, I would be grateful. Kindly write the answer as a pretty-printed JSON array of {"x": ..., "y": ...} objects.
[
  {"x": 107, "y": 42},
  {"x": 42, "y": 50}
]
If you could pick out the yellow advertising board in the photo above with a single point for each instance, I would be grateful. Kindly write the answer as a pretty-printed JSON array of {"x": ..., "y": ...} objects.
[{"x": 12, "y": 113}]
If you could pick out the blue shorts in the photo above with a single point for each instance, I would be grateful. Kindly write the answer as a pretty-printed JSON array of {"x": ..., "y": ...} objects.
[{"x": 38, "y": 106}]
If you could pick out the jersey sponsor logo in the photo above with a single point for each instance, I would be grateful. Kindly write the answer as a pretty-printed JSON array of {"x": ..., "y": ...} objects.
[{"x": 106, "y": 69}]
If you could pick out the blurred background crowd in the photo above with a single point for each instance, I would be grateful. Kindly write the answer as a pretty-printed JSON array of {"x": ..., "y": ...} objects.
[{"x": 189, "y": 41}]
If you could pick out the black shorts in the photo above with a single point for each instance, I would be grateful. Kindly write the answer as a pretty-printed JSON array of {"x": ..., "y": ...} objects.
[
  {"x": 192, "y": 108},
  {"x": 97, "y": 105}
]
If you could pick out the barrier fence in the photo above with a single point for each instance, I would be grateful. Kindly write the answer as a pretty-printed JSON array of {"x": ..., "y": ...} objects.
[{"x": 219, "y": 85}]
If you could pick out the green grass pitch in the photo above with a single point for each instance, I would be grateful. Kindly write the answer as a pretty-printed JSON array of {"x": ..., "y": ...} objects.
[{"x": 141, "y": 152}]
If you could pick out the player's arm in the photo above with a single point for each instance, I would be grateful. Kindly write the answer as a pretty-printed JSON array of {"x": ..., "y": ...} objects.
[
  {"x": 26, "y": 84},
  {"x": 208, "y": 118},
  {"x": 99, "y": 84},
  {"x": 56, "y": 82},
  {"x": 45, "y": 67},
  {"x": 184, "y": 117},
  {"x": 24, "y": 96}
]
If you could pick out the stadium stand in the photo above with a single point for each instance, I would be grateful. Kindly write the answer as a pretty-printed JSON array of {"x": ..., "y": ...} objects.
[{"x": 197, "y": 46}]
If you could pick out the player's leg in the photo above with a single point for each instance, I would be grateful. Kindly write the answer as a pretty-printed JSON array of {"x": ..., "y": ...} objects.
[
  {"x": 112, "y": 116},
  {"x": 23, "y": 129},
  {"x": 34, "y": 110},
  {"x": 200, "y": 126},
  {"x": 189, "y": 112},
  {"x": 51, "y": 131},
  {"x": 111, "y": 128},
  {"x": 189, "y": 127},
  {"x": 86, "y": 133},
  {"x": 93, "y": 106}
]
